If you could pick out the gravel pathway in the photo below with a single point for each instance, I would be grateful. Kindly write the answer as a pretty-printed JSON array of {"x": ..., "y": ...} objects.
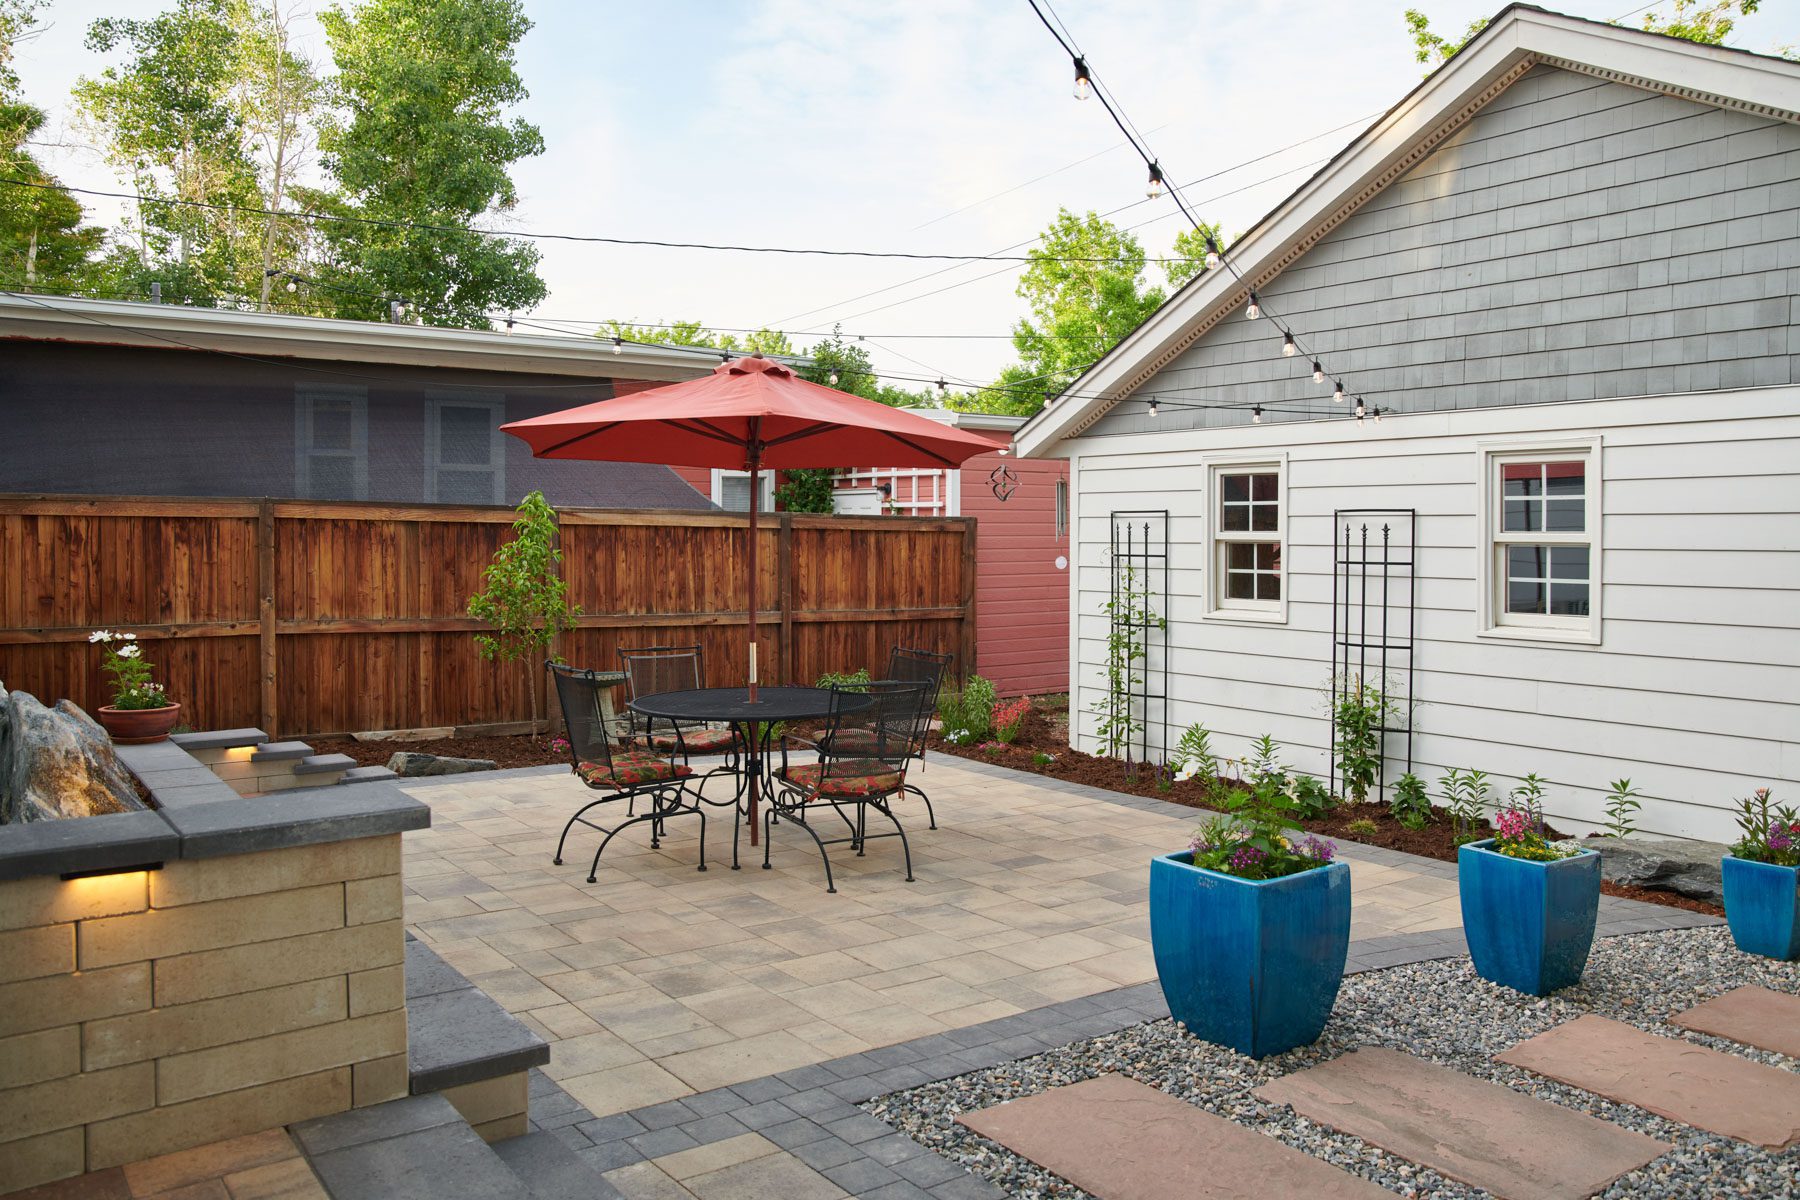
[{"x": 1441, "y": 1011}]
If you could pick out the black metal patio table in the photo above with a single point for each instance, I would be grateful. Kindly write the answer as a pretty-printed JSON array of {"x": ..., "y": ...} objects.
[{"x": 753, "y": 720}]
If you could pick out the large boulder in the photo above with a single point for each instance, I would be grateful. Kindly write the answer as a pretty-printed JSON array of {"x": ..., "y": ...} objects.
[
  {"x": 1670, "y": 864},
  {"x": 57, "y": 762},
  {"x": 412, "y": 764}
]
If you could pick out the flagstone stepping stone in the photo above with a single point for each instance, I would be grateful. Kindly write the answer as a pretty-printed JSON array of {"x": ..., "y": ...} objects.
[
  {"x": 1692, "y": 1084},
  {"x": 1751, "y": 1015},
  {"x": 1483, "y": 1134},
  {"x": 1118, "y": 1139}
]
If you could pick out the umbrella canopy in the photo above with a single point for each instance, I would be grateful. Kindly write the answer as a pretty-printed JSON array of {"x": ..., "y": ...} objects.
[{"x": 749, "y": 414}]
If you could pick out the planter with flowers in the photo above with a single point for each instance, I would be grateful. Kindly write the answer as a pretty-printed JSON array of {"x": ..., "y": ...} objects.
[
  {"x": 1250, "y": 931},
  {"x": 141, "y": 710},
  {"x": 1762, "y": 880},
  {"x": 1528, "y": 904}
]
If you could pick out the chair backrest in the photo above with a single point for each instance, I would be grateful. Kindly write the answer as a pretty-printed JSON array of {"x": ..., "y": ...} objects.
[
  {"x": 908, "y": 665},
  {"x": 881, "y": 720},
  {"x": 585, "y": 726},
  {"x": 652, "y": 669}
]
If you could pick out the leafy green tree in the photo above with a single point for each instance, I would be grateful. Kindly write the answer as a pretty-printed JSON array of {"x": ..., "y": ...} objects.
[
  {"x": 163, "y": 120},
  {"x": 419, "y": 137},
  {"x": 526, "y": 600},
  {"x": 1189, "y": 258},
  {"x": 276, "y": 95},
  {"x": 1432, "y": 49},
  {"x": 692, "y": 333},
  {"x": 1708, "y": 22}
]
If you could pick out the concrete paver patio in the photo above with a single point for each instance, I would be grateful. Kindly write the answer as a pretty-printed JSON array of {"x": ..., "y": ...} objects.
[{"x": 659, "y": 981}]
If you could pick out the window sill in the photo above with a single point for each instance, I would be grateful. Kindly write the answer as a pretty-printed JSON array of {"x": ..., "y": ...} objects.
[
  {"x": 1246, "y": 616},
  {"x": 1557, "y": 637}
]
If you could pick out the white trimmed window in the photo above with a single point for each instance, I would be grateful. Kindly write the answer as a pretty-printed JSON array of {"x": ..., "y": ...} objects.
[
  {"x": 465, "y": 452},
  {"x": 331, "y": 442},
  {"x": 731, "y": 491},
  {"x": 1542, "y": 561},
  {"x": 1248, "y": 526}
]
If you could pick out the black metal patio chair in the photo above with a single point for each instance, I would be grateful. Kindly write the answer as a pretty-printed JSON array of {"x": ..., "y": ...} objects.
[
  {"x": 653, "y": 669},
  {"x": 921, "y": 666},
  {"x": 623, "y": 774},
  {"x": 862, "y": 757}
]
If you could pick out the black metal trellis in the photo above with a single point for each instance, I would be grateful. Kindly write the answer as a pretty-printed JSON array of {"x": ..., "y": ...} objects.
[
  {"x": 1374, "y": 602},
  {"x": 1138, "y": 562}
]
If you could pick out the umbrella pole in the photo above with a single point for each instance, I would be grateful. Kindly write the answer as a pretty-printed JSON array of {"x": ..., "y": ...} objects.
[{"x": 755, "y": 759}]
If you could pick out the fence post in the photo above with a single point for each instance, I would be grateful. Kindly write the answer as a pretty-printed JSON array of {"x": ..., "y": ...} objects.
[
  {"x": 265, "y": 593},
  {"x": 968, "y": 599},
  {"x": 784, "y": 565}
]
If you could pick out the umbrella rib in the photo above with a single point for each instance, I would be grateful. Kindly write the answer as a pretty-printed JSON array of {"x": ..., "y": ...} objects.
[
  {"x": 567, "y": 442},
  {"x": 809, "y": 431},
  {"x": 910, "y": 444}
]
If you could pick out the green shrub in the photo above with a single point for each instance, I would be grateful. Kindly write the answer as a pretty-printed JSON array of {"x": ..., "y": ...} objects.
[
  {"x": 970, "y": 710},
  {"x": 1362, "y": 827},
  {"x": 1410, "y": 805}
]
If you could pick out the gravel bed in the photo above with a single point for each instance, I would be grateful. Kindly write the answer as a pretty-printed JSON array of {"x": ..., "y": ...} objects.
[{"x": 1441, "y": 1011}]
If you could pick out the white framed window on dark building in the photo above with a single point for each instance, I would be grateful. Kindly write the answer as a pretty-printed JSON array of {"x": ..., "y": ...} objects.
[
  {"x": 331, "y": 442},
  {"x": 465, "y": 452},
  {"x": 1541, "y": 545}
]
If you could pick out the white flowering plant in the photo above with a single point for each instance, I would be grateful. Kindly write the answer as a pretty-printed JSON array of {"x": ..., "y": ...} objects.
[{"x": 129, "y": 670}]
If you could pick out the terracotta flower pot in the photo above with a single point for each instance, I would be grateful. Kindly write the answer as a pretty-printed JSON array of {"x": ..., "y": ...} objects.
[{"x": 134, "y": 726}]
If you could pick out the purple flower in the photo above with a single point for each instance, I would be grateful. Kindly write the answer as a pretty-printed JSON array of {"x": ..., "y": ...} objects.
[
  {"x": 1246, "y": 857},
  {"x": 1317, "y": 848}
]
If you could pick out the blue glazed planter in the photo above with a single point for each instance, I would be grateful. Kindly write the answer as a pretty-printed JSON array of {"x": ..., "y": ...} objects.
[
  {"x": 1529, "y": 924},
  {"x": 1762, "y": 904},
  {"x": 1250, "y": 964}
]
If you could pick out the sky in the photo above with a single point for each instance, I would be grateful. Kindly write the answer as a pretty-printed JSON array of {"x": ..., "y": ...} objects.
[{"x": 928, "y": 126}]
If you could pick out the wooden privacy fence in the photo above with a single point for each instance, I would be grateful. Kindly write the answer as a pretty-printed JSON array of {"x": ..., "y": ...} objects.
[{"x": 317, "y": 617}]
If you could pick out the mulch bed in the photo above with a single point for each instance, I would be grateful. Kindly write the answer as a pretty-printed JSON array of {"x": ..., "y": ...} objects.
[{"x": 1045, "y": 732}]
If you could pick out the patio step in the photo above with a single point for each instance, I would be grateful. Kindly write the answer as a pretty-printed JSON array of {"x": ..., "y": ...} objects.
[
  {"x": 459, "y": 1041},
  {"x": 552, "y": 1170},
  {"x": 219, "y": 739},
  {"x": 273, "y": 751},
  {"x": 1751, "y": 1015},
  {"x": 320, "y": 764},
  {"x": 367, "y": 775},
  {"x": 416, "y": 1148}
]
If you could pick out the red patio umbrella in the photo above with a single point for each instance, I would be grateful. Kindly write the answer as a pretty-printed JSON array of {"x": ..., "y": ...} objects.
[{"x": 749, "y": 414}]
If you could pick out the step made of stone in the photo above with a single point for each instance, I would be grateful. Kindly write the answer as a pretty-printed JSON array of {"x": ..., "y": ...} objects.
[
  {"x": 1117, "y": 1139},
  {"x": 367, "y": 775},
  {"x": 418, "y": 1148},
  {"x": 547, "y": 1166},
  {"x": 1483, "y": 1134},
  {"x": 318, "y": 764},
  {"x": 219, "y": 739},
  {"x": 1692, "y": 1084},
  {"x": 1753, "y": 1016},
  {"x": 273, "y": 751}
]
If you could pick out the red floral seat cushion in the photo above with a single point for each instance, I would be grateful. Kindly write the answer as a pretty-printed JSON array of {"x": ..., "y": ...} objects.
[
  {"x": 848, "y": 778},
  {"x": 697, "y": 741},
  {"x": 629, "y": 768}
]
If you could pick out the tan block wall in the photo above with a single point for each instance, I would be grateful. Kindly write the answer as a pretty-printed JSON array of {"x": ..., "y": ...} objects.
[
  {"x": 249, "y": 778},
  {"x": 147, "y": 1012}
]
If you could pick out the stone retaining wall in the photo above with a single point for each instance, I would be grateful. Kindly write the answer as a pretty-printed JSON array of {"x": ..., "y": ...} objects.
[{"x": 238, "y": 968}]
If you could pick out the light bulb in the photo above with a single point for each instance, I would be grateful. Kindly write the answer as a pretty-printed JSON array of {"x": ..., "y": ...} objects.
[
  {"x": 1254, "y": 310},
  {"x": 1212, "y": 255},
  {"x": 1378, "y": 416},
  {"x": 1155, "y": 186},
  {"x": 1256, "y": 415},
  {"x": 618, "y": 345},
  {"x": 1083, "y": 86},
  {"x": 292, "y": 286},
  {"x": 1318, "y": 372},
  {"x": 1153, "y": 407},
  {"x": 1360, "y": 410},
  {"x": 1288, "y": 349},
  {"x": 942, "y": 387},
  {"x": 832, "y": 378},
  {"x": 1337, "y": 394}
]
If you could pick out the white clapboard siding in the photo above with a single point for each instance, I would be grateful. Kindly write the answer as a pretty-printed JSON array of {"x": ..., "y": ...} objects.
[{"x": 1693, "y": 691}]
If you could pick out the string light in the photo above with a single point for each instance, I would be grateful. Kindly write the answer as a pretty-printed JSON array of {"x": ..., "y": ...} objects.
[
  {"x": 1256, "y": 415},
  {"x": 1212, "y": 255},
  {"x": 832, "y": 378},
  {"x": 1153, "y": 406},
  {"x": 1359, "y": 408},
  {"x": 1155, "y": 188},
  {"x": 1084, "y": 86},
  {"x": 292, "y": 286},
  {"x": 1337, "y": 394},
  {"x": 618, "y": 342},
  {"x": 1288, "y": 349},
  {"x": 1378, "y": 416},
  {"x": 1253, "y": 310},
  {"x": 1318, "y": 372}
]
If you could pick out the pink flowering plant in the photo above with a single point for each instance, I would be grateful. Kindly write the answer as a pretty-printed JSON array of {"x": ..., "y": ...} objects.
[
  {"x": 1009, "y": 717},
  {"x": 125, "y": 665},
  {"x": 1771, "y": 832},
  {"x": 1256, "y": 845},
  {"x": 1518, "y": 833}
]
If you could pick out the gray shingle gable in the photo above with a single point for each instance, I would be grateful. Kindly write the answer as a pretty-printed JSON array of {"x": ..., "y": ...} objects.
[{"x": 1576, "y": 239}]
